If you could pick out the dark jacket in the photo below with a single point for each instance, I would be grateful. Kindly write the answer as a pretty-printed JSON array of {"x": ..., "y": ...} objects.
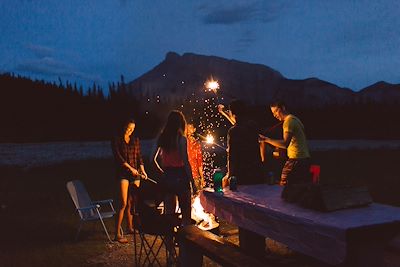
[{"x": 244, "y": 153}]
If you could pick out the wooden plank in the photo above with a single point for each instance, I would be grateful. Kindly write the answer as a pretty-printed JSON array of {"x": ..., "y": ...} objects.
[{"x": 341, "y": 197}]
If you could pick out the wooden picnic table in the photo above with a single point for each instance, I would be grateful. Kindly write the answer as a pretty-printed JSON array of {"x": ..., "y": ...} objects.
[{"x": 352, "y": 237}]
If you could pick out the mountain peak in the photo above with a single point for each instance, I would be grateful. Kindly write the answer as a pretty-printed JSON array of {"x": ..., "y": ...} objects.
[
  {"x": 180, "y": 77},
  {"x": 171, "y": 56}
]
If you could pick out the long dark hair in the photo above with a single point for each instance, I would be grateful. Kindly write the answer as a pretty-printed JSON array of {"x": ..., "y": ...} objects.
[
  {"x": 239, "y": 109},
  {"x": 173, "y": 129}
]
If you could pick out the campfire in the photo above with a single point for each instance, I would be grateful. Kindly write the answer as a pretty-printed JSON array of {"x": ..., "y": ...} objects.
[{"x": 204, "y": 220}]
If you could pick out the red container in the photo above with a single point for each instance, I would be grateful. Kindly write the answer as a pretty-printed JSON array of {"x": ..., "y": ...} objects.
[{"x": 315, "y": 171}]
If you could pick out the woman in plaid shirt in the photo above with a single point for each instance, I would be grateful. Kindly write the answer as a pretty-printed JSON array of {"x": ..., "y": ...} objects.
[{"x": 129, "y": 169}]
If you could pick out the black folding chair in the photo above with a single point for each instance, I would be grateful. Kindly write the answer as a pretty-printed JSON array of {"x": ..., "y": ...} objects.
[{"x": 153, "y": 231}]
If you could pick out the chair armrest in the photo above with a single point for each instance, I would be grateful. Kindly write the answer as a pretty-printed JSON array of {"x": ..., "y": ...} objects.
[
  {"x": 88, "y": 207},
  {"x": 105, "y": 201}
]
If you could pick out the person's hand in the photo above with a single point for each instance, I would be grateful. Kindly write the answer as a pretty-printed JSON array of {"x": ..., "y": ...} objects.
[
  {"x": 282, "y": 182},
  {"x": 144, "y": 175},
  {"x": 225, "y": 181},
  {"x": 134, "y": 172},
  {"x": 262, "y": 138},
  {"x": 221, "y": 108}
]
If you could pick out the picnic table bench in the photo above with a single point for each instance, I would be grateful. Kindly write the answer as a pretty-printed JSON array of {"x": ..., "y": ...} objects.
[
  {"x": 194, "y": 243},
  {"x": 352, "y": 237}
]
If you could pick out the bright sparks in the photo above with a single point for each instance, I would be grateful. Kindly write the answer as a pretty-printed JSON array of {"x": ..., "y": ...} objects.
[
  {"x": 212, "y": 85},
  {"x": 209, "y": 139}
]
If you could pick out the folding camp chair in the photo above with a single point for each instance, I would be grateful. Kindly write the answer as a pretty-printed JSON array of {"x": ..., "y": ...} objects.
[
  {"x": 88, "y": 210},
  {"x": 153, "y": 233}
]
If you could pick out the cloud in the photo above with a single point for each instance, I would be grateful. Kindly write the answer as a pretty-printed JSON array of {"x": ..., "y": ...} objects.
[
  {"x": 229, "y": 15},
  {"x": 40, "y": 50},
  {"x": 247, "y": 17},
  {"x": 49, "y": 66},
  {"x": 234, "y": 12}
]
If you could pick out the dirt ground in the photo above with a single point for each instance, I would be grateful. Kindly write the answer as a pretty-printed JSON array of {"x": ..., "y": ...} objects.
[
  {"x": 43, "y": 233},
  {"x": 122, "y": 255}
]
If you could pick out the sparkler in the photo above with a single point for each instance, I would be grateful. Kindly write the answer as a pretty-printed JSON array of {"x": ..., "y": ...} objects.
[
  {"x": 210, "y": 120},
  {"x": 212, "y": 85},
  {"x": 148, "y": 178},
  {"x": 209, "y": 139}
]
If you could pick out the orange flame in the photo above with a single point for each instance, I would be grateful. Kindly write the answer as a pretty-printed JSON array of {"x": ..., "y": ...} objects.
[{"x": 205, "y": 221}]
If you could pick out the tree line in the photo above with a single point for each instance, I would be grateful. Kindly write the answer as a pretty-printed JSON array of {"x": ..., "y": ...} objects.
[{"x": 40, "y": 111}]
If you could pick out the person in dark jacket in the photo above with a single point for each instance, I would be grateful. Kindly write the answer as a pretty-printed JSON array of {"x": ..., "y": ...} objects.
[{"x": 244, "y": 160}]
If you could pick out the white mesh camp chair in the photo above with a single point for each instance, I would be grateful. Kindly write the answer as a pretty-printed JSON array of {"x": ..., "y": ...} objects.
[{"x": 88, "y": 210}]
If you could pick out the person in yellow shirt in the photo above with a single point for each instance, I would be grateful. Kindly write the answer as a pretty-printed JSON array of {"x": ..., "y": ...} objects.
[{"x": 297, "y": 167}]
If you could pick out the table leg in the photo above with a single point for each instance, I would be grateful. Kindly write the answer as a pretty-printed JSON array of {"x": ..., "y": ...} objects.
[
  {"x": 251, "y": 243},
  {"x": 189, "y": 255},
  {"x": 366, "y": 255},
  {"x": 366, "y": 246}
]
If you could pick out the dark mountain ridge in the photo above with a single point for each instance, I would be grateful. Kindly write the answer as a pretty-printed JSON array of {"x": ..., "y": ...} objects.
[
  {"x": 381, "y": 92},
  {"x": 177, "y": 77}
]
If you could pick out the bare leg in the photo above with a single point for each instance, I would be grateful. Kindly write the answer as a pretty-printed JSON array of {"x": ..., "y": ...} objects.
[
  {"x": 186, "y": 208},
  {"x": 262, "y": 151},
  {"x": 123, "y": 198},
  {"x": 130, "y": 203},
  {"x": 129, "y": 216}
]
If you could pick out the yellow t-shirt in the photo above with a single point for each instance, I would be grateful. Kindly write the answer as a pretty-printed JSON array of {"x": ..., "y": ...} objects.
[{"x": 298, "y": 148}]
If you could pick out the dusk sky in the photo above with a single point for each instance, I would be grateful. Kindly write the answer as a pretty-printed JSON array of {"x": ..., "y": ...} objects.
[{"x": 350, "y": 43}]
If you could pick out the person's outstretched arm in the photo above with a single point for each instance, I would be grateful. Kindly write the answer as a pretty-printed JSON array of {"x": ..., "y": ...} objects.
[
  {"x": 156, "y": 160},
  {"x": 227, "y": 114},
  {"x": 287, "y": 137}
]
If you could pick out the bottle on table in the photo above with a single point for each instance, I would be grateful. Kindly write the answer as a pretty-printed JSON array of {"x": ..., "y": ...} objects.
[
  {"x": 233, "y": 183},
  {"x": 217, "y": 179}
]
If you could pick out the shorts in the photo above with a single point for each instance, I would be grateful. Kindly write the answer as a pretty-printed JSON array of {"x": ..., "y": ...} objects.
[
  {"x": 296, "y": 171},
  {"x": 175, "y": 180},
  {"x": 127, "y": 175},
  {"x": 296, "y": 177}
]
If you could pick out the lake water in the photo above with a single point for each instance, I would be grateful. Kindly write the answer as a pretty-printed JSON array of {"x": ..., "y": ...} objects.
[{"x": 39, "y": 154}]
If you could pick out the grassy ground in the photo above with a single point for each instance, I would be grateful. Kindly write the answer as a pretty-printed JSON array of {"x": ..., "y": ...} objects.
[{"x": 38, "y": 221}]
